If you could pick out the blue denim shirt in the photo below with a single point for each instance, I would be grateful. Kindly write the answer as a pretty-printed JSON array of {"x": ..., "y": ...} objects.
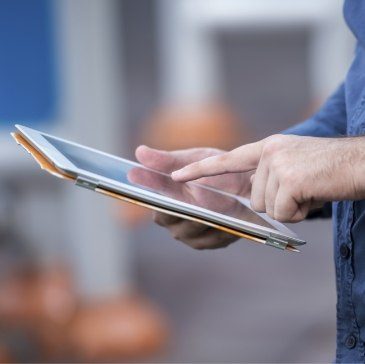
[{"x": 344, "y": 114}]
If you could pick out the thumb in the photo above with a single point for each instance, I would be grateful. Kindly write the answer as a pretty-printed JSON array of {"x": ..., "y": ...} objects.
[{"x": 167, "y": 162}]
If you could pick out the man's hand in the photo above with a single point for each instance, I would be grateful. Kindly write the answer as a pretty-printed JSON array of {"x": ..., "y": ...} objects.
[
  {"x": 292, "y": 173},
  {"x": 194, "y": 234}
]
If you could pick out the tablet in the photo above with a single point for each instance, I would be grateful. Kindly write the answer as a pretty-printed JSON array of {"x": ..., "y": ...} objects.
[{"x": 132, "y": 182}]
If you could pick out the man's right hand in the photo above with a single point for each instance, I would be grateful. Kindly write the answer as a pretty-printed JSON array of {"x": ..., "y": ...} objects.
[{"x": 194, "y": 234}]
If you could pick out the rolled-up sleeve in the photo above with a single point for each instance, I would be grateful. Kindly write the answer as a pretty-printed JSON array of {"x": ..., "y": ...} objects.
[{"x": 329, "y": 121}]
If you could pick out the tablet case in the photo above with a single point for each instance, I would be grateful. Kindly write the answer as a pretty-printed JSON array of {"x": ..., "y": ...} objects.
[{"x": 48, "y": 166}]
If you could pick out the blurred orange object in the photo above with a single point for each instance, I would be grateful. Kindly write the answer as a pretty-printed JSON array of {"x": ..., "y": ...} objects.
[
  {"x": 44, "y": 304},
  {"x": 129, "y": 328},
  {"x": 30, "y": 296},
  {"x": 5, "y": 355},
  {"x": 41, "y": 302},
  {"x": 169, "y": 128},
  {"x": 212, "y": 125}
]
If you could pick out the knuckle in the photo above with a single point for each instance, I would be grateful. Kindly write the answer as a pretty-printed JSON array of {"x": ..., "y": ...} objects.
[
  {"x": 212, "y": 152},
  {"x": 278, "y": 163},
  {"x": 222, "y": 158},
  {"x": 273, "y": 144},
  {"x": 163, "y": 219},
  {"x": 277, "y": 138},
  {"x": 175, "y": 236},
  {"x": 175, "y": 233},
  {"x": 289, "y": 178},
  {"x": 158, "y": 218}
]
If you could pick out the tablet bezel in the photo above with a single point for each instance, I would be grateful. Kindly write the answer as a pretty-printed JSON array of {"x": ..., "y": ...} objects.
[{"x": 38, "y": 140}]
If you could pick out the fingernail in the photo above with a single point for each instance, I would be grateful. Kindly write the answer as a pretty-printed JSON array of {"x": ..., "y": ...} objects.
[{"x": 177, "y": 174}]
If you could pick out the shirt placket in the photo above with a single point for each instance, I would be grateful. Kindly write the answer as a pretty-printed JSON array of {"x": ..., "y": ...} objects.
[{"x": 349, "y": 347}]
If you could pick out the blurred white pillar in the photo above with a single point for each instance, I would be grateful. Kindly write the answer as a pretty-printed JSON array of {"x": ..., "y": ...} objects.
[
  {"x": 91, "y": 67},
  {"x": 189, "y": 68},
  {"x": 331, "y": 51}
]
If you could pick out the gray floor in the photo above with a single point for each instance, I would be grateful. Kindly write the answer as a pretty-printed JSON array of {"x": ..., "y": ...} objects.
[{"x": 246, "y": 303}]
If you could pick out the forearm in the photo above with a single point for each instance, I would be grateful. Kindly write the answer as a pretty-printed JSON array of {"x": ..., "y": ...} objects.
[{"x": 354, "y": 155}]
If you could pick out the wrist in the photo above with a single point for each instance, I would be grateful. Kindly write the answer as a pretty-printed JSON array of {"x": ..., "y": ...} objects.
[{"x": 356, "y": 163}]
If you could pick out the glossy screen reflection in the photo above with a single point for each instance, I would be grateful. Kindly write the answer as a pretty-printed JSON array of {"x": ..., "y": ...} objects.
[{"x": 135, "y": 175}]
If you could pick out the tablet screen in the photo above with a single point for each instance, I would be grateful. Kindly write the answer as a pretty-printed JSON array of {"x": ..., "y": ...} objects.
[{"x": 135, "y": 175}]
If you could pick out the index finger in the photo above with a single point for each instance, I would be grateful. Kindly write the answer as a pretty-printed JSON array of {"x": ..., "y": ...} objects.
[{"x": 242, "y": 159}]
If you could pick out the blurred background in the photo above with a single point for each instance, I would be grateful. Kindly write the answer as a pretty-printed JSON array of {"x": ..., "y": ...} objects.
[{"x": 85, "y": 278}]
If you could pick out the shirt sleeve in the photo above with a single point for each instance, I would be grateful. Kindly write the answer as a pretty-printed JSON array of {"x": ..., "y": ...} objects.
[{"x": 329, "y": 121}]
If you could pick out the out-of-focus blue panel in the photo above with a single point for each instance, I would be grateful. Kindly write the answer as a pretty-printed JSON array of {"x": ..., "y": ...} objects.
[{"x": 27, "y": 62}]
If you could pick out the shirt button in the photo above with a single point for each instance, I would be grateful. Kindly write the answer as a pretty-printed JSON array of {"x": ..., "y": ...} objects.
[
  {"x": 350, "y": 342},
  {"x": 344, "y": 251}
]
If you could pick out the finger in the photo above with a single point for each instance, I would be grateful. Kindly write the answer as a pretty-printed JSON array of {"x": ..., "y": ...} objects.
[
  {"x": 164, "y": 219},
  {"x": 186, "y": 229},
  {"x": 252, "y": 179},
  {"x": 287, "y": 209},
  {"x": 167, "y": 162},
  {"x": 271, "y": 191},
  {"x": 259, "y": 187},
  {"x": 242, "y": 159},
  {"x": 211, "y": 239},
  {"x": 154, "y": 158}
]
